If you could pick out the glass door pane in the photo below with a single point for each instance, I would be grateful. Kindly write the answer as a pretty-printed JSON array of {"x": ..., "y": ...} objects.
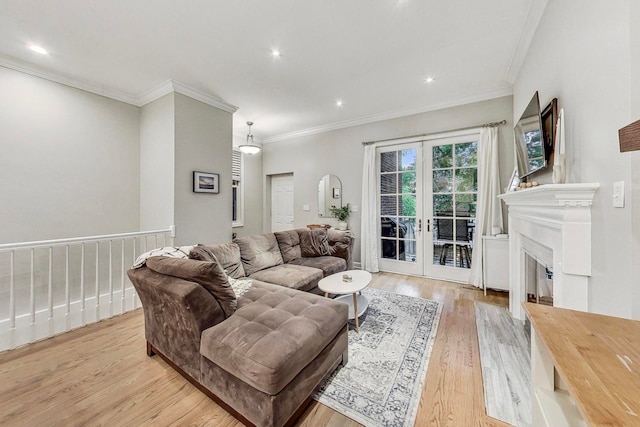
[
  {"x": 400, "y": 205},
  {"x": 451, "y": 201}
]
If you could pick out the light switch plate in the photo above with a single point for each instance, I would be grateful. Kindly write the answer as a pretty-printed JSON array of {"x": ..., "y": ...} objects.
[
  {"x": 618, "y": 194},
  {"x": 305, "y": 208},
  {"x": 354, "y": 208}
]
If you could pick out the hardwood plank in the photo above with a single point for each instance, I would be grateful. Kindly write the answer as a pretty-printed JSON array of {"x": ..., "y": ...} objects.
[{"x": 101, "y": 375}]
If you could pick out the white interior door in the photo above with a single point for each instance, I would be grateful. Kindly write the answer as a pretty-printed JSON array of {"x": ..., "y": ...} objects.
[
  {"x": 282, "y": 202},
  {"x": 451, "y": 194},
  {"x": 400, "y": 208}
]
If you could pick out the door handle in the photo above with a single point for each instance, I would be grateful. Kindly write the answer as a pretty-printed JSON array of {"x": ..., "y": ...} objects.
[
  {"x": 428, "y": 225},
  {"x": 419, "y": 226}
]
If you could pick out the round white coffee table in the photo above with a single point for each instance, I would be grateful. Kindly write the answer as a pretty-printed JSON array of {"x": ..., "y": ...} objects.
[{"x": 335, "y": 284}]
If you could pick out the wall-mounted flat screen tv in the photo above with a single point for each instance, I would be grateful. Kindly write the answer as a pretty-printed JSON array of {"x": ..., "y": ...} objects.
[{"x": 530, "y": 156}]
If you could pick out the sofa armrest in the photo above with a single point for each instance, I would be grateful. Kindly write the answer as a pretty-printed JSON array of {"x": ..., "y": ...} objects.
[
  {"x": 176, "y": 312},
  {"x": 341, "y": 245}
]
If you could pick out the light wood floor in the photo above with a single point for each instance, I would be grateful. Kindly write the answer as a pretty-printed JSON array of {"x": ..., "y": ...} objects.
[{"x": 100, "y": 374}]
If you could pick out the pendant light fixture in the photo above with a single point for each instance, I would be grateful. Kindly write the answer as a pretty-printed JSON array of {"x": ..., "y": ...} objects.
[{"x": 249, "y": 147}]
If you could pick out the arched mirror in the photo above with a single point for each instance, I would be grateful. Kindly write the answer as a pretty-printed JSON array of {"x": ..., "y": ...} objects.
[{"x": 329, "y": 194}]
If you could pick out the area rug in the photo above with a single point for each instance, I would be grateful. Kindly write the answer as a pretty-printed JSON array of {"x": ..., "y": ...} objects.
[
  {"x": 506, "y": 365},
  {"x": 382, "y": 383}
]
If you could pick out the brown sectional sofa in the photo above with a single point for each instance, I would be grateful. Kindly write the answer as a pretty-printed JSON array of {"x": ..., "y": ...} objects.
[
  {"x": 296, "y": 259},
  {"x": 262, "y": 354}
]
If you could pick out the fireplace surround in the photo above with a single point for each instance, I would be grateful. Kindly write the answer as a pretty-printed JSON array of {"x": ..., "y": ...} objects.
[{"x": 552, "y": 224}]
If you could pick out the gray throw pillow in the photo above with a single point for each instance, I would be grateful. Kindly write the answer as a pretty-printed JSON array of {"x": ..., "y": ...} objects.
[
  {"x": 314, "y": 242},
  {"x": 208, "y": 274},
  {"x": 258, "y": 252},
  {"x": 227, "y": 254}
]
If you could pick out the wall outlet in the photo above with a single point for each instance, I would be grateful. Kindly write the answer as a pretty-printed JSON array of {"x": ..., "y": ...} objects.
[
  {"x": 354, "y": 208},
  {"x": 618, "y": 194}
]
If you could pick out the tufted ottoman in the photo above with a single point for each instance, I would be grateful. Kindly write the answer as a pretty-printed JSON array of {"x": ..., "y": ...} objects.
[{"x": 268, "y": 357}]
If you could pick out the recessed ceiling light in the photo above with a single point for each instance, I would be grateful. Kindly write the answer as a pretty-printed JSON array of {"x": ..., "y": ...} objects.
[
  {"x": 276, "y": 53},
  {"x": 429, "y": 80},
  {"x": 339, "y": 103},
  {"x": 38, "y": 49}
]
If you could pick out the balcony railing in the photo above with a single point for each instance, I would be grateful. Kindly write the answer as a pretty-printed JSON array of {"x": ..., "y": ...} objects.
[{"x": 53, "y": 286}]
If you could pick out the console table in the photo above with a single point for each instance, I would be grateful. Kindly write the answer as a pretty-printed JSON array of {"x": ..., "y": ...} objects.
[{"x": 585, "y": 368}]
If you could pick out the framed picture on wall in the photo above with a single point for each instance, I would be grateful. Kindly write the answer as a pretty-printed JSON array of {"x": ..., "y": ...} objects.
[{"x": 205, "y": 182}]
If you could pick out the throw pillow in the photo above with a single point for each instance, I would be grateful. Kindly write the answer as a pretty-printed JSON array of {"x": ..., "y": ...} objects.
[
  {"x": 227, "y": 254},
  {"x": 314, "y": 242},
  {"x": 208, "y": 274},
  {"x": 289, "y": 243},
  {"x": 202, "y": 253},
  {"x": 258, "y": 252}
]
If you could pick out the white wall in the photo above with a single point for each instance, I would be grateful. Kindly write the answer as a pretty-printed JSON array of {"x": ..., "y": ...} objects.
[
  {"x": 69, "y": 161},
  {"x": 253, "y": 200},
  {"x": 203, "y": 142},
  {"x": 180, "y": 135},
  {"x": 581, "y": 55},
  {"x": 157, "y": 159},
  {"x": 634, "y": 18},
  {"x": 340, "y": 152}
]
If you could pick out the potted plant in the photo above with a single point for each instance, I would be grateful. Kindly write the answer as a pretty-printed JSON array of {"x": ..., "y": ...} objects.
[{"x": 341, "y": 214}]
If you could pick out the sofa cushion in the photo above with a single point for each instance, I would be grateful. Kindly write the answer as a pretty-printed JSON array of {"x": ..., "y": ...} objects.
[
  {"x": 290, "y": 276},
  {"x": 258, "y": 252},
  {"x": 227, "y": 254},
  {"x": 273, "y": 336},
  {"x": 328, "y": 264},
  {"x": 202, "y": 253},
  {"x": 314, "y": 242},
  {"x": 289, "y": 244},
  {"x": 208, "y": 274}
]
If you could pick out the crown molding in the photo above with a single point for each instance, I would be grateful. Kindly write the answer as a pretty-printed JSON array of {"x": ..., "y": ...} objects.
[
  {"x": 482, "y": 96},
  {"x": 175, "y": 86},
  {"x": 147, "y": 97},
  {"x": 536, "y": 9},
  {"x": 76, "y": 83}
]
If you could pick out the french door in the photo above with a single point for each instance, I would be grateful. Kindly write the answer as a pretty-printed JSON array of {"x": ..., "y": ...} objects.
[
  {"x": 400, "y": 196},
  {"x": 427, "y": 203},
  {"x": 451, "y": 195}
]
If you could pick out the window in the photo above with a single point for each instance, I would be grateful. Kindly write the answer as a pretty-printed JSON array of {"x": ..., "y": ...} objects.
[{"x": 237, "y": 193}]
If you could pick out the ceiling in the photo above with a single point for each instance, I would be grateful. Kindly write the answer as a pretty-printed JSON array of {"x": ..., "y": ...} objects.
[{"x": 375, "y": 56}]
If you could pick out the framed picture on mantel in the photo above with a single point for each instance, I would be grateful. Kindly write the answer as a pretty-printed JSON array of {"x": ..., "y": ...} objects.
[
  {"x": 549, "y": 118},
  {"x": 205, "y": 182}
]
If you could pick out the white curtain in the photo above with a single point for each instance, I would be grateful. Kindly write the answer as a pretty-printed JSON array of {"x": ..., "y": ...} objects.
[
  {"x": 368, "y": 222},
  {"x": 489, "y": 209}
]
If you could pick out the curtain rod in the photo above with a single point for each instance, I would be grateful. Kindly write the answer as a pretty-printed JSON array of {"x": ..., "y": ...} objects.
[{"x": 486, "y": 125}]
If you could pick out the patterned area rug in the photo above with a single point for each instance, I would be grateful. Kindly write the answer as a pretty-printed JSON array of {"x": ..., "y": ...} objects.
[{"x": 382, "y": 383}]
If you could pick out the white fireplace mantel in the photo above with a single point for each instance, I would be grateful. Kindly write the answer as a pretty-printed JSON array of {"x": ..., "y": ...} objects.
[
  {"x": 551, "y": 195},
  {"x": 551, "y": 223}
]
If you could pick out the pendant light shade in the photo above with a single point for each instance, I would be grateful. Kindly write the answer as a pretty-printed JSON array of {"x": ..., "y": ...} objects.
[{"x": 249, "y": 147}]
